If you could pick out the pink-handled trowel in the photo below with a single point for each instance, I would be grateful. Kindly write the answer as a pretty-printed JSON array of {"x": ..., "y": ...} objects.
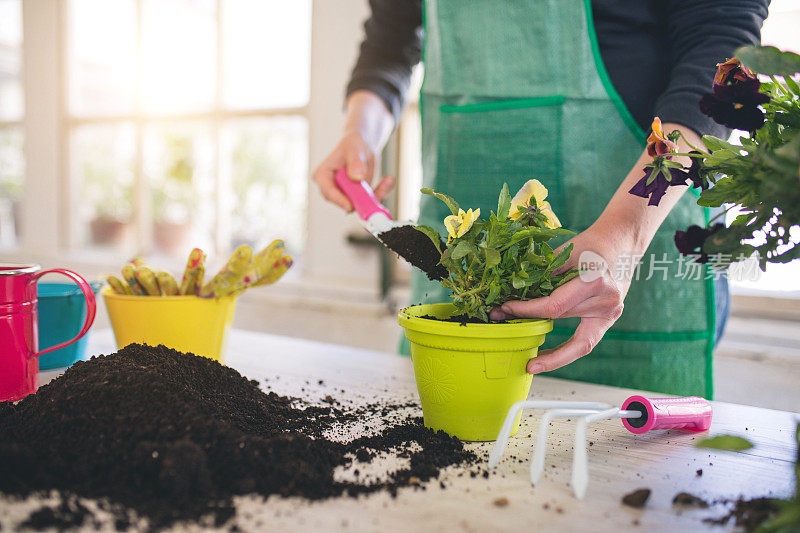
[{"x": 403, "y": 238}]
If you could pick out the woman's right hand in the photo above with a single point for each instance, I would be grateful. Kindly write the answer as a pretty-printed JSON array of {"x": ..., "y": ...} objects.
[
  {"x": 355, "y": 155},
  {"x": 368, "y": 124}
]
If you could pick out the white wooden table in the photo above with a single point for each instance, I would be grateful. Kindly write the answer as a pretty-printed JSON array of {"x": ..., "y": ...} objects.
[{"x": 664, "y": 461}]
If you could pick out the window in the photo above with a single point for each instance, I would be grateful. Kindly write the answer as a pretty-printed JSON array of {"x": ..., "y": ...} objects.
[
  {"x": 11, "y": 110},
  {"x": 184, "y": 127}
]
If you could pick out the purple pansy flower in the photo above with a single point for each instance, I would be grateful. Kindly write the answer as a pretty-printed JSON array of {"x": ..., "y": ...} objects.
[
  {"x": 690, "y": 242},
  {"x": 657, "y": 187},
  {"x": 736, "y": 97}
]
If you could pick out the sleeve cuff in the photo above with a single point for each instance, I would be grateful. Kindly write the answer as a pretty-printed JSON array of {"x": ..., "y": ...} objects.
[
  {"x": 385, "y": 91},
  {"x": 685, "y": 110}
]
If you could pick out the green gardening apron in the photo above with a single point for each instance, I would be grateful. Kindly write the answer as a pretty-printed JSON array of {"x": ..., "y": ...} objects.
[{"x": 515, "y": 90}]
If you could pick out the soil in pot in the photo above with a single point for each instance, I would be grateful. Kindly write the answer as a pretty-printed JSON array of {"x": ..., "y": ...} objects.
[
  {"x": 464, "y": 319},
  {"x": 416, "y": 248},
  {"x": 175, "y": 437}
]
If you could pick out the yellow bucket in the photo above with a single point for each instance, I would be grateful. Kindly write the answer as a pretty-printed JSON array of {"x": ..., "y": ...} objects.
[
  {"x": 185, "y": 323},
  {"x": 468, "y": 376}
]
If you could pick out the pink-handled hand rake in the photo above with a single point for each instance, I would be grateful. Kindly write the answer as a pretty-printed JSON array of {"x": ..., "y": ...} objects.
[{"x": 638, "y": 414}]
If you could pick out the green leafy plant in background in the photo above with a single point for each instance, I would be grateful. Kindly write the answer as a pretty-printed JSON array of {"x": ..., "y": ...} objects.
[
  {"x": 759, "y": 180},
  {"x": 787, "y": 519},
  {"x": 107, "y": 189},
  {"x": 503, "y": 257},
  {"x": 174, "y": 195}
]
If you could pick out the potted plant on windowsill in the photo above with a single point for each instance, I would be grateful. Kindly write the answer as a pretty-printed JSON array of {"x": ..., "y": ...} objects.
[
  {"x": 469, "y": 370},
  {"x": 111, "y": 199},
  {"x": 174, "y": 195}
]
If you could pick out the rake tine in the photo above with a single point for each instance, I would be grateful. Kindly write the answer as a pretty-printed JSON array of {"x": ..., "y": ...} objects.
[
  {"x": 540, "y": 446},
  {"x": 499, "y": 446},
  {"x": 580, "y": 459}
]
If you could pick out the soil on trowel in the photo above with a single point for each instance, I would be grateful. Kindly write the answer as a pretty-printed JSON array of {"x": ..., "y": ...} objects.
[
  {"x": 416, "y": 248},
  {"x": 175, "y": 436}
]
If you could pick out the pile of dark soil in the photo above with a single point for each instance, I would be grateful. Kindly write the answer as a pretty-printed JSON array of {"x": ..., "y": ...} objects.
[
  {"x": 175, "y": 436},
  {"x": 416, "y": 248}
]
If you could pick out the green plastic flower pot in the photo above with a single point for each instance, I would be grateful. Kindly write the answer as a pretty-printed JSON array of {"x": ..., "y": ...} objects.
[{"x": 469, "y": 375}]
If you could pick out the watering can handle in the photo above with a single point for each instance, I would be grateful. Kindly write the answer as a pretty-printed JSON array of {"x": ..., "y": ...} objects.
[
  {"x": 360, "y": 195},
  {"x": 692, "y": 413},
  {"x": 91, "y": 304}
]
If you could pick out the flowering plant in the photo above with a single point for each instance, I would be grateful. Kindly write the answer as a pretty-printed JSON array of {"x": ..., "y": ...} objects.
[
  {"x": 759, "y": 179},
  {"x": 502, "y": 258}
]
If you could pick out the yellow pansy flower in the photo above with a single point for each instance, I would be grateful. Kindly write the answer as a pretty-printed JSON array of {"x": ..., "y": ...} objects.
[
  {"x": 533, "y": 189},
  {"x": 458, "y": 225}
]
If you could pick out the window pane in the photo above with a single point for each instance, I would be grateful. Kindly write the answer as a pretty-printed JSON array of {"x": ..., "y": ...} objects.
[
  {"x": 12, "y": 166},
  {"x": 11, "y": 104},
  {"x": 178, "y": 162},
  {"x": 265, "y": 161},
  {"x": 266, "y": 53},
  {"x": 179, "y": 55},
  {"x": 102, "y": 57},
  {"x": 102, "y": 169}
]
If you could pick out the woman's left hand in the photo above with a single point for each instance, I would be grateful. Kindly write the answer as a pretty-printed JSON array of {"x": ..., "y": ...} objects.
[{"x": 595, "y": 298}]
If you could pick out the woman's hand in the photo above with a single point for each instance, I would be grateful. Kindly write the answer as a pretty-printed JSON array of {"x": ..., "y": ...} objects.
[
  {"x": 595, "y": 298},
  {"x": 367, "y": 126}
]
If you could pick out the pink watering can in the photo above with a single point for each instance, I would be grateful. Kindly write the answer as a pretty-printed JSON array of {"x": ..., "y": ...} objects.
[{"x": 19, "y": 339}]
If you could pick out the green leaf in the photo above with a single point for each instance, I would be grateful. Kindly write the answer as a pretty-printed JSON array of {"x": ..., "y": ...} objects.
[
  {"x": 715, "y": 143},
  {"x": 730, "y": 443},
  {"x": 432, "y": 234},
  {"x": 793, "y": 86},
  {"x": 537, "y": 234},
  {"x": 561, "y": 257},
  {"x": 492, "y": 257},
  {"x": 452, "y": 204},
  {"x": 769, "y": 60},
  {"x": 462, "y": 249},
  {"x": 503, "y": 203},
  {"x": 519, "y": 282},
  {"x": 494, "y": 292}
]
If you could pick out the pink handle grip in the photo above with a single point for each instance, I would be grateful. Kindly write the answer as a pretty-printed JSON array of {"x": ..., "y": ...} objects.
[
  {"x": 91, "y": 304},
  {"x": 360, "y": 195},
  {"x": 692, "y": 413}
]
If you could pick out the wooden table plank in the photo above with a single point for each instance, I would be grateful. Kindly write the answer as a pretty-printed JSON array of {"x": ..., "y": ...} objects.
[{"x": 619, "y": 462}]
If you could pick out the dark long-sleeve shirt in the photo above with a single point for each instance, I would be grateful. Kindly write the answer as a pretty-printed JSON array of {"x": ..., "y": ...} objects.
[{"x": 661, "y": 55}]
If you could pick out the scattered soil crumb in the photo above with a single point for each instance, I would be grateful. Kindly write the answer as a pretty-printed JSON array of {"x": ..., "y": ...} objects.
[
  {"x": 748, "y": 514},
  {"x": 69, "y": 513},
  {"x": 500, "y": 502},
  {"x": 636, "y": 499},
  {"x": 689, "y": 500}
]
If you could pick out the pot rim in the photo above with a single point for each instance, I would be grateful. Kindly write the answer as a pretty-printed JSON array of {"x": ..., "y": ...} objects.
[
  {"x": 110, "y": 294},
  {"x": 13, "y": 269},
  {"x": 522, "y": 327}
]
